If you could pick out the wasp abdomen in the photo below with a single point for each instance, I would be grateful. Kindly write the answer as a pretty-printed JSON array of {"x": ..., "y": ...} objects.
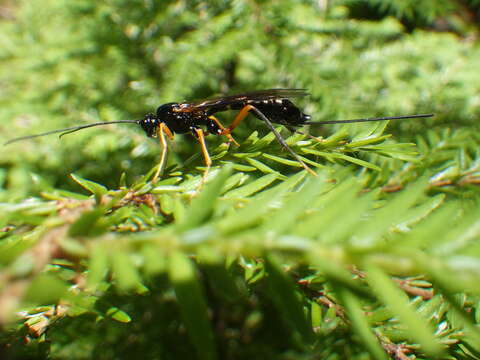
[{"x": 281, "y": 111}]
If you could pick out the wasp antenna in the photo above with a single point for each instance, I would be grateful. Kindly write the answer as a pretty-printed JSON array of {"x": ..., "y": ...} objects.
[
  {"x": 70, "y": 130},
  {"x": 367, "y": 119}
]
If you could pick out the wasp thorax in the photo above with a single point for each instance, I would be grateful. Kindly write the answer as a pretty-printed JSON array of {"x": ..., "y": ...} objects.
[{"x": 150, "y": 124}]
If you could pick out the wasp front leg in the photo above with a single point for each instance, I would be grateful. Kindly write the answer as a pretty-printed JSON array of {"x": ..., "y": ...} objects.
[{"x": 162, "y": 130}]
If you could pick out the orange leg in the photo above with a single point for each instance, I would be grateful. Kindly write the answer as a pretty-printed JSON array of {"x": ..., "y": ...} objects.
[
  {"x": 240, "y": 116},
  {"x": 244, "y": 112},
  {"x": 162, "y": 130},
  {"x": 206, "y": 155},
  {"x": 224, "y": 131}
]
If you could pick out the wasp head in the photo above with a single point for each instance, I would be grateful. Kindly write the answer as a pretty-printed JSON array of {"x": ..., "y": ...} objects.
[
  {"x": 150, "y": 124},
  {"x": 165, "y": 114}
]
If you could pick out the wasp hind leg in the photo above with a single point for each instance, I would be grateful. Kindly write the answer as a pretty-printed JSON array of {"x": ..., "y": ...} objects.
[
  {"x": 244, "y": 112},
  {"x": 162, "y": 130}
]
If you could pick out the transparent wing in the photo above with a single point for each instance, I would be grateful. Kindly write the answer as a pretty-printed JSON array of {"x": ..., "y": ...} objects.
[{"x": 254, "y": 95}]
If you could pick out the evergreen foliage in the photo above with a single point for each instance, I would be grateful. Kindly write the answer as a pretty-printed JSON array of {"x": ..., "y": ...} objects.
[{"x": 378, "y": 257}]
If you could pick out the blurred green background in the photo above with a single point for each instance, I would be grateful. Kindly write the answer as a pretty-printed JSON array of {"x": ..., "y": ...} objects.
[{"x": 169, "y": 272}]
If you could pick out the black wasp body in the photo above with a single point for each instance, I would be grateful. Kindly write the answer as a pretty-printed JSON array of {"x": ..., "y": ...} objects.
[
  {"x": 182, "y": 118},
  {"x": 271, "y": 106}
]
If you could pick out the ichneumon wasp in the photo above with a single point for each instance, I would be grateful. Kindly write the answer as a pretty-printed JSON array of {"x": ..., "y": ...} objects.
[{"x": 271, "y": 106}]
